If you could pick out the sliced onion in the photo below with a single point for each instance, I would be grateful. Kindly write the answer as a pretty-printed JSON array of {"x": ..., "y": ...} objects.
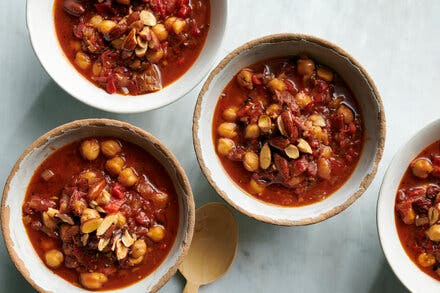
[{"x": 47, "y": 174}]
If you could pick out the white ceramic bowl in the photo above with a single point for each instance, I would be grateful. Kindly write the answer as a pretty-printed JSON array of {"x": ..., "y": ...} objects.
[
  {"x": 408, "y": 272},
  {"x": 43, "y": 37},
  {"x": 325, "y": 53},
  {"x": 17, "y": 242}
]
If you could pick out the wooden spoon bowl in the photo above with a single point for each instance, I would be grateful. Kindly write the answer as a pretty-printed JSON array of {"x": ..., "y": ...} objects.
[{"x": 213, "y": 248}]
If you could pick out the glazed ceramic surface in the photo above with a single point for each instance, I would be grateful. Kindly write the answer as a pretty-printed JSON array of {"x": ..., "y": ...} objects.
[
  {"x": 355, "y": 77},
  {"x": 19, "y": 246},
  {"x": 410, "y": 275},
  {"x": 45, "y": 43}
]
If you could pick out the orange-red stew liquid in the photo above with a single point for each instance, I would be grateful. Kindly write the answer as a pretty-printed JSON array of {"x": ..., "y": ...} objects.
[
  {"x": 417, "y": 210},
  {"x": 106, "y": 41},
  {"x": 63, "y": 185},
  {"x": 314, "y": 150}
]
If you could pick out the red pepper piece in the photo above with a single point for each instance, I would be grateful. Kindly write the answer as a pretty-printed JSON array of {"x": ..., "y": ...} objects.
[
  {"x": 118, "y": 191},
  {"x": 111, "y": 87},
  {"x": 114, "y": 205}
]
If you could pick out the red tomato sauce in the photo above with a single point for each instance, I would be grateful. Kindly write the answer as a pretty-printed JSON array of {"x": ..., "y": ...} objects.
[
  {"x": 118, "y": 68},
  {"x": 417, "y": 208},
  {"x": 288, "y": 181},
  {"x": 138, "y": 204}
]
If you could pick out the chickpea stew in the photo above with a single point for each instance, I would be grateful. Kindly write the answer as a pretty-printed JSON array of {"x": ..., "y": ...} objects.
[
  {"x": 132, "y": 47},
  {"x": 288, "y": 131},
  {"x": 101, "y": 213},
  {"x": 417, "y": 210}
]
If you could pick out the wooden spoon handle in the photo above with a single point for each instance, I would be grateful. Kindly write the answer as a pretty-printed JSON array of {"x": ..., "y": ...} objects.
[{"x": 191, "y": 287}]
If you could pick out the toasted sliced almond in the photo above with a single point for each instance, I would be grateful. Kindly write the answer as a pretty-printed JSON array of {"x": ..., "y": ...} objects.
[
  {"x": 304, "y": 146},
  {"x": 103, "y": 243},
  {"x": 317, "y": 120},
  {"x": 148, "y": 18},
  {"x": 90, "y": 225},
  {"x": 65, "y": 218},
  {"x": 106, "y": 223},
  {"x": 265, "y": 156},
  {"x": 100, "y": 209},
  {"x": 292, "y": 151},
  {"x": 84, "y": 239},
  {"x": 280, "y": 125},
  {"x": 93, "y": 204},
  {"x": 265, "y": 123},
  {"x": 52, "y": 212},
  {"x": 140, "y": 52},
  {"x": 121, "y": 250},
  {"x": 116, "y": 238},
  {"x": 127, "y": 239},
  {"x": 103, "y": 198},
  {"x": 433, "y": 215}
]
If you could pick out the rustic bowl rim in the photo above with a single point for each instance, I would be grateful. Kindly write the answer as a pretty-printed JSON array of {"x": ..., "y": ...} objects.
[
  {"x": 60, "y": 130},
  {"x": 276, "y": 38},
  {"x": 178, "y": 85}
]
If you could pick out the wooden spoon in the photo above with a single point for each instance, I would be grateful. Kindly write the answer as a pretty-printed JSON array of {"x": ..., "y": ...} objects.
[{"x": 213, "y": 247}]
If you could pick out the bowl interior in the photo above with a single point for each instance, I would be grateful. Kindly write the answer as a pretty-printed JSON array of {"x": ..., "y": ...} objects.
[
  {"x": 45, "y": 43},
  {"x": 364, "y": 93},
  {"x": 409, "y": 274},
  {"x": 28, "y": 261}
]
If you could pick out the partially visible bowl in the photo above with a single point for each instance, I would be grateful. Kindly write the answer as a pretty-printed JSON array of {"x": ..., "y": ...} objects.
[
  {"x": 405, "y": 269},
  {"x": 45, "y": 43},
  {"x": 328, "y": 54},
  {"x": 16, "y": 239}
]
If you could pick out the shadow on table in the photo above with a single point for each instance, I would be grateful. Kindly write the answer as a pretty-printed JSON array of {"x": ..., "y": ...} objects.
[{"x": 386, "y": 280}]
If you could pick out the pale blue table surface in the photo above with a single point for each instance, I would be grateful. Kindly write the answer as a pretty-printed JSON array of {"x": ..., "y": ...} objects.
[{"x": 398, "y": 43}]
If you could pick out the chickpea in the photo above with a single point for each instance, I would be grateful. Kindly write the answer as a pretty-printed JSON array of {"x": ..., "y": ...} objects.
[
  {"x": 89, "y": 214},
  {"x": 110, "y": 148},
  {"x": 276, "y": 84},
  {"x": 256, "y": 187},
  {"x": 426, "y": 259},
  {"x": 139, "y": 248},
  {"x": 326, "y": 152},
  {"x": 273, "y": 111},
  {"x": 95, "y": 20},
  {"x": 409, "y": 217},
  {"x": 156, "y": 233},
  {"x": 252, "y": 131},
  {"x": 179, "y": 25},
  {"x": 305, "y": 66},
  {"x": 82, "y": 60},
  {"x": 302, "y": 99},
  {"x": 121, "y": 220},
  {"x": 90, "y": 149},
  {"x": 127, "y": 177},
  {"x": 324, "y": 169},
  {"x": 244, "y": 79},
  {"x": 97, "y": 68},
  {"x": 346, "y": 112},
  {"x": 90, "y": 176},
  {"x": 230, "y": 114},
  {"x": 225, "y": 145},
  {"x": 251, "y": 161},
  {"x": 135, "y": 261},
  {"x": 92, "y": 280},
  {"x": 160, "y": 199},
  {"x": 325, "y": 74},
  {"x": 155, "y": 56},
  {"x": 105, "y": 26},
  {"x": 169, "y": 22},
  {"x": 54, "y": 258},
  {"x": 115, "y": 165},
  {"x": 47, "y": 244},
  {"x": 421, "y": 168},
  {"x": 160, "y": 31},
  {"x": 433, "y": 233},
  {"x": 227, "y": 129}
]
